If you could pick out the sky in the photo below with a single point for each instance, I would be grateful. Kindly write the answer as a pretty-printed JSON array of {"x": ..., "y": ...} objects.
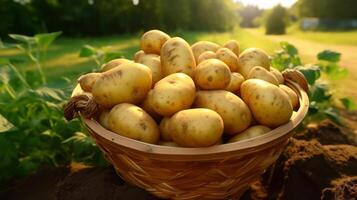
[{"x": 268, "y": 3}]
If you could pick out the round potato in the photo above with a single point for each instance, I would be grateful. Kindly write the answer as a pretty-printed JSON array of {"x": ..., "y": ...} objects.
[
  {"x": 133, "y": 122},
  {"x": 294, "y": 99},
  {"x": 263, "y": 74},
  {"x": 152, "y": 41},
  {"x": 177, "y": 56},
  {"x": 212, "y": 74},
  {"x": 146, "y": 105},
  {"x": 234, "y": 84},
  {"x": 206, "y": 55},
  {"x": 173, "y": 93},
  {"x": 140, "y": 55},
  {"x": 114, "y": 63},
  {"x": 87, "y": 81},
  {"x": 228, "y": 57},
  {"x": 202, "y": 46},
  {"x": 250, "y": 58},
  {"x": 269, "y": 104},
  {"x": 251, "y": 132},
  {"x": 198, "y": 127},
  {"x": 103, "y": 118},
  {"x": 127, "y": 83},
  {"x": 165, "y": 129},
  {"x": 154, "y": 63},
  {"x": 77, "y": 91},
  {"x": 234, "y": 112},
  {"x": 233, "y": 45},
  {"x": 277, "y": 75}
]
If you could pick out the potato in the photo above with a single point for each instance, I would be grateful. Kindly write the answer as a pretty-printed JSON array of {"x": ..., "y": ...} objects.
[
  {"x": 146, "y": 105},
  {"x": 198, "y": 127},
  {"x": 127, "y": 83},
  {"x": 263, "y": 74},
  {"x": 250, "y": 58},
  {"x": 294, "y": 99},
  {"x": 199, "y": 47},
  {"x": 233, "y": 45},
  {"x": 165, "y": 129},
  {"x": 177, "y": 56},
  {"x": 133, "y": 122},
  {"x": 114, "y": 63},
  {"x": 154, "y": 64},
  {"x": 103, "y": 118},
  {"x": 152, "y": 41},
  {"x": 205, "y": 56},
  {"x": 140, "y": 55},
  {"x": 212, "y": 74},
  {"x": 269, "y": 104},
  {"x": 87, "y": 81},
  {"x": 77, "y": 91},
  {"x": 234, "y": 112},
  {"x": 278, "y": 75},
  {"x": 251, "y": 132},
  {"x": 228, "y": 57},
  {"x": 234, "y": 84},
  {"x": 169, "y": 144},
  {"x": 173, "y": 93}
]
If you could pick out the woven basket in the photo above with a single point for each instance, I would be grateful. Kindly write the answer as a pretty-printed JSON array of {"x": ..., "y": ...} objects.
[{"x": 217, "y": 172}]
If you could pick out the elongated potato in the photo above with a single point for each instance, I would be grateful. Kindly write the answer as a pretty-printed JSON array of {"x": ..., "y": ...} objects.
[
  {"x": 228, "y": 57},
  {"x": 129, "y": 83},
  {"x": 263, "y": 74},
  {"x": 277, "y": 75},
  {"x": 152, "y": 41},
  {"x": 233, "y": 45},
  {"x": 206, "y": 55},
  {"x": 198, "y": 127},
  {"x": 251, "y": 132},
  {"x": 294, "y": 99},
  {"x": 165, "y": 130},
  {"x": 87, "y": 81},
  {"x": 212, "y": 74},
  {"x": 234, "y": 84},
  {"x": 177, "y": 56},
  {"x": 269, "y": 104},
  {"x": 234, "y": 112},
  {"x": 173, "y": 93},
  {"x": 154, "y": 63},
  {"x": 133, "y": 122},
  {"x": 103, "y": 118},
  {"x": 250, "y": 58},
  {"x": 202, "y": 46},
  {"x": 114, "y": 63},
  {"x": 147, "y": 106}
]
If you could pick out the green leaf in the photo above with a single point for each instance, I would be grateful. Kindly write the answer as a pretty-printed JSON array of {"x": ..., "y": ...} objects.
[
  {"x": 49, "y": 92},
  {"x": 348, "y": 103},
  {"x": 45, "y": 39},
  {"x": 112, "y": 55},
  {"x": 319, "y": 93},
  {"x": 311, "y": 73},
  {"x": 23, "y": 38},
  {"x": 333, "y": 115},
  {"x": 328, "y": 55},
  {"x": 289, "y": 48},
  {"x": 335, "y": 72},
  {"x": 87, "y": 51},
  {"x": 5, "y": 125},
  {"x": 4, "y": 61}
]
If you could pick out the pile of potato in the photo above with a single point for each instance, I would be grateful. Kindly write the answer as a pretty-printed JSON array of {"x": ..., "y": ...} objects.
[{"x": 201, "y": 95}]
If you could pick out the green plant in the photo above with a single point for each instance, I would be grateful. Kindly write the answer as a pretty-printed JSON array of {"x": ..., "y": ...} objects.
[{"x": 99, "y": 55}]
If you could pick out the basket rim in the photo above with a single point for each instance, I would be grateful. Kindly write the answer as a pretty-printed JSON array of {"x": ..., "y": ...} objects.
[{"x": 273, "y": 135}]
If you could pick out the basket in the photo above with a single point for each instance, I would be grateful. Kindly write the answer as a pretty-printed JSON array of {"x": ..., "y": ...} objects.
[{"x": 217, "y": 172}]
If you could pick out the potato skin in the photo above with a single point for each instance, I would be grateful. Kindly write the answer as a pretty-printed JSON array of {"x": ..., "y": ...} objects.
[
  {"x": 234, "y": 84},
  {"x": 173, "y": 93},
  {"x": 233, "y": 45},
  {"x": 152, "y": 41},
  {"x": 202, "y": 46},
  {"x": 263, "y": 74},
  {"x": 77, "y": 91},
  {"x": 154, "y": 63},
  {"x": 205, "y": 56},
  {"x": 177, "y": 56},
  {"x": 133, "y": 122},
  {"x": 140, "y": 55},
  {"x": 294, "y": 99},
  {"x": 165, "y": 130},
  {"x": 228, "y": 57},
  {"x": 269, "y": 104},
  {"x": 277, "y": 75},
  {"x": 212, "y": 74},
  {"x": 127, "y": 83},
  {"x": 87, "y": 81},
  {"x": 198, "y": 127},
  {"x": 147, "y": 106},
  {"x": 250, "y": 58},
  {"x": 103, "y": 118},
  {"x": 251, "y": 132},
  {"x": 234, "y": 112},
  {"x": 114, "y": 63}
]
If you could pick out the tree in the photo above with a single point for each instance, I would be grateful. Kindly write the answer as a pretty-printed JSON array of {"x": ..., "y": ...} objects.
[
  {"x": 276, "y": 20},
  {"x": 328, "y": 9},
  {"x": 249, "y": 14}
]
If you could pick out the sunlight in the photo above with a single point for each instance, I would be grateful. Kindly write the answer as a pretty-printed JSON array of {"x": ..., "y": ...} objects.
[{"x": 267, "y": 3}]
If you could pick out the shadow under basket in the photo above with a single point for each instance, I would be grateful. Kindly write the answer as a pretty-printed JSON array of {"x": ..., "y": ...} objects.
[{"x": 218, "y": 172}]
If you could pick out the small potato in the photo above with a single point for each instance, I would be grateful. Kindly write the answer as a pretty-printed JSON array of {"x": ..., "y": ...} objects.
[
  {"x": 133, "y": 122},
  {"x": 251, "y": 132},
  {"x": 269, "y": 104},
  {"x": 114, "y": 63},
  {"x": 146, "y": 105},
  {"x": 127, "y": 83},
  {"x": 206, "y": 55},
  {"x": 263, "y": 74},
  {"x": 103, "y": 118},
  {"x": 212, "y": 74},
  {"x": 234, "y": 84},
  {"x": 165, "y": 129},
  {"x": 152, "y": 41},
  {"x": 228, "y": 57},
  {"x": 250, "y": 58},
  {"x": 154, "y": 64},
  {"x": 87, "y": 81},
  {"x": 140, "y": 55},
  {"x": 234, "y": 112},
  {"x": 198, "y": 127},
  {"x": 77, "y": 91},
  {"x": 202, "y": 46},
  {"x": 173, "y": 93},
  {"x": 169, "y": 144},
  {"x": 277, "y": 75},
  {"x": 294, "y": 99},
  {"x": 177, "y": 56},
  {"x": 233, "y": 45}
]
